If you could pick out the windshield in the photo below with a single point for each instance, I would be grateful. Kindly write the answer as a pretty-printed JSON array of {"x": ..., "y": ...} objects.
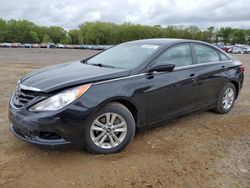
[{"x": 127, "y": 55}]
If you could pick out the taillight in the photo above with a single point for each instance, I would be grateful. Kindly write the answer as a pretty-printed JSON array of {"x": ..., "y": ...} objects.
[{"x": 242, "y": 68}]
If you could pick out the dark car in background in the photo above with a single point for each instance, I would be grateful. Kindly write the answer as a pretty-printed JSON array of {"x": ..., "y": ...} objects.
[{"x": 101, "y": 101}]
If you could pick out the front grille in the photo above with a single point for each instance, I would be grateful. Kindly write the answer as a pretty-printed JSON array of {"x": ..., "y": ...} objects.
[
  {"x": 22, "y": 97},
  {"x": 49, "y": 136}
]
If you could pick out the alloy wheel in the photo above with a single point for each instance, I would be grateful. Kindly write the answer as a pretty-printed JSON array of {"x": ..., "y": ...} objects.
[
  {"x": 108, "y": 130},
  {"x": 228, "y": 98}
]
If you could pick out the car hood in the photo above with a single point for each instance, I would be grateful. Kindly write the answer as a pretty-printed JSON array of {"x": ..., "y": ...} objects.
[{"x": 69, "y": 74}]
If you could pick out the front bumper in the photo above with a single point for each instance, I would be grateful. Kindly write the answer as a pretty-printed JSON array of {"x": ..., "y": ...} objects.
[
  {"x": 34, "y": 138},
  {"x": 49, "y": 128}
]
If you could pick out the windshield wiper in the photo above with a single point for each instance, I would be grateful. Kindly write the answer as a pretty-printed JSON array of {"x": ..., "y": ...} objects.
[
  {"x": 84, "y": 61},
  {"x": 101, "y": 65}
]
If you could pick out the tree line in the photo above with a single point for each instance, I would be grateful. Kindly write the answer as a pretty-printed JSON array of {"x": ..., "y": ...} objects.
[{"x": 24, "y": 31}]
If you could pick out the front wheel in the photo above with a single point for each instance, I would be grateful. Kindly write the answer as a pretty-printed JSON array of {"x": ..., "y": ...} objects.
[
  {"x": 226, "y": 99},
  {"x": 110, "y": 130}
]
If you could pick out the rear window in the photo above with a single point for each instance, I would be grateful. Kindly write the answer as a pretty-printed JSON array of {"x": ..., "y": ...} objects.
[
  {"x": 206, "y": 54},
  {"x": 224, "y": 57}
]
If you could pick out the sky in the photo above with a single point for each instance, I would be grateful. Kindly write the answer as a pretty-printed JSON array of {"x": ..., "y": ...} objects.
[{"x": 69, "y": 14}]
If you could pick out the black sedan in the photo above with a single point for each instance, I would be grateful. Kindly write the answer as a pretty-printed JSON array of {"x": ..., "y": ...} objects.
[{"x": 101, "y": 101}]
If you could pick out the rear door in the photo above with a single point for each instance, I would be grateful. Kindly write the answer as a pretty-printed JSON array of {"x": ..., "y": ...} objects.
[{"x": 210, "y": 67}]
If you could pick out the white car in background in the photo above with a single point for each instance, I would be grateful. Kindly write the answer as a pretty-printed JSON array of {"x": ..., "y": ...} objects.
[
  {"x": 16, "y": 45},
  {"x": 248, "y": 50},
  {"x": 60, "y": 46},
  {"x": 239, "y": 50},
  {"x": 6, "y": 45}
]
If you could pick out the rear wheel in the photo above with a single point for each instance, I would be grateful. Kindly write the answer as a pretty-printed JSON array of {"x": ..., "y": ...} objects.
[
  {"x": 110, "y": 130},
  {"x": 226, "y": 99}
]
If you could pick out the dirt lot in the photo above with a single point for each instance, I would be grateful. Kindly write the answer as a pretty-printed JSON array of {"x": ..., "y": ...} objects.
[{"x": 200, "y": 150}]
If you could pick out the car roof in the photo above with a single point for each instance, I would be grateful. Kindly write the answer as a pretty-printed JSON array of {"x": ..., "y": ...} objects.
[
  {"x": 166, "y": 41},
  {"x": 157, "y": 41}
]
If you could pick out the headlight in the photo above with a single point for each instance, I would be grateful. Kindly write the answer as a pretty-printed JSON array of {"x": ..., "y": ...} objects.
[{"x": 60, "y": 100}]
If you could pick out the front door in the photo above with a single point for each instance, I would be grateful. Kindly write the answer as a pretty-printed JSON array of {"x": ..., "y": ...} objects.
[{"x": 171, "y": 93}]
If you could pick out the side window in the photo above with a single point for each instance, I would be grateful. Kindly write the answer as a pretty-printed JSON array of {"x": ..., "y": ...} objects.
[
  {"x": 179, "y": 55},
  {"x": 224, "y": 57},
  {"x": 206, "y": 54}
]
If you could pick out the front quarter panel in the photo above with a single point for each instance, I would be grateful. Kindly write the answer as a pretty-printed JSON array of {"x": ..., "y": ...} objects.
[{"x": 128, "y": 89}]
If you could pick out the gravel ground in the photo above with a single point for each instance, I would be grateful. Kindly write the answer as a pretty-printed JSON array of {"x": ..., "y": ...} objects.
[{"x": 199, "y": 150}]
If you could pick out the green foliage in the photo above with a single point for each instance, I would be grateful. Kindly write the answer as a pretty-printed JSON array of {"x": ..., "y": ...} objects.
[
  {"x": 56, "y": 33},
  {"x": 33, "y": 37},
  {"x": 3, "y": 30},
  {"x": 99, "y": 33},
  {"x": 46, "y": 39},
  {"x": 19, "y": 31},
  {"x": 75, "y": 36},
  {"x": 25, "y": 31},
  {"x": 65, "y": 40}
]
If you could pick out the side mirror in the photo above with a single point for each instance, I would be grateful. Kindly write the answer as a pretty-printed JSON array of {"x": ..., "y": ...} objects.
[{"x": 162, "y": 68}]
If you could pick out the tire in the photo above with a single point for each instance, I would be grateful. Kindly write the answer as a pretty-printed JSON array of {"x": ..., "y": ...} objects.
[
  {"x": 222, "y": 108},
  {"x": 99, "y": 132}
]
